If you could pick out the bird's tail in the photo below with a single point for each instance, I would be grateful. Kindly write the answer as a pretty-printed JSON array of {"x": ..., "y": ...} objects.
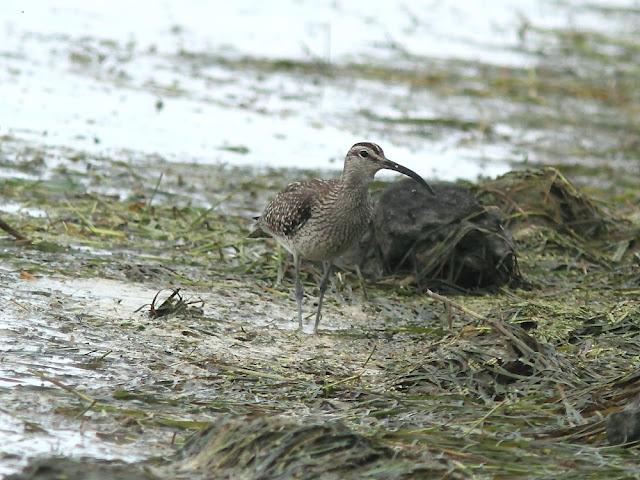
[{"x": 258, "y": 232}]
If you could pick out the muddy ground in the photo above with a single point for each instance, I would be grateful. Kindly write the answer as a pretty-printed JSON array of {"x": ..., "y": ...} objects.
[
  {"x": 86, "y": 368},
  {"x": 514, "y": 382}
]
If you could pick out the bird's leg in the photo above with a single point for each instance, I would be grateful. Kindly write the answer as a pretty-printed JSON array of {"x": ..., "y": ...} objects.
[
  {"x": 363, "y": 286},
  {"x": 323, "y": 287},
  {"x": 299, "y": 290}
]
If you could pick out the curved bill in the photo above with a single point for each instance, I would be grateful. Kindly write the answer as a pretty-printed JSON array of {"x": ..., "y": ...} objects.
[{"x": 409, "y": 173}]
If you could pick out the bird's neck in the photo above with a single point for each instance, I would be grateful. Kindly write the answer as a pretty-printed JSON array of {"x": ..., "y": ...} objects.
[
  {"x": 355, "y": 181},
  {"x": 354, "y": 190}
]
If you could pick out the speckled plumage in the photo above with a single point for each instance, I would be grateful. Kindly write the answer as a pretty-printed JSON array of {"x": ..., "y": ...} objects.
[
  {"x": 321, "y": 219},
  {"x": 317, "y": 219}
]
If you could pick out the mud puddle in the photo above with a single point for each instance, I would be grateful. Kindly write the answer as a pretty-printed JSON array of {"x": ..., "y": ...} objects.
[
  {"x": 445, "y": 103},
  {"x": 72, "y": 342},
  {"x": 134, "y": 154}
]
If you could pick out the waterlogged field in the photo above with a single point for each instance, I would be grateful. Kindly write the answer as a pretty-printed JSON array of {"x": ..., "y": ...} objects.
[{"x": 138, "y": 141}]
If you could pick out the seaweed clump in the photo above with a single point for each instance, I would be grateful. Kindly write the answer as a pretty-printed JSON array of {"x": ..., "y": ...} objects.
[
  {"x": 544, "y": 197},
  {"x": 542, "y": 208},
  {"x": 272, "y": 447}
]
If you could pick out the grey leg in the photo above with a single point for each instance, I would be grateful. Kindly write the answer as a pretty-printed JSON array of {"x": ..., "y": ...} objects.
[
  {"x": 299, "y": 289},
  {"x": 363, "y": 285},
  {"x": 323, "y": 288}
]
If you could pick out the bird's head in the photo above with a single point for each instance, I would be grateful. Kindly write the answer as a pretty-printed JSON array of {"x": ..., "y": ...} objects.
[{"x": 365, "y": 159}]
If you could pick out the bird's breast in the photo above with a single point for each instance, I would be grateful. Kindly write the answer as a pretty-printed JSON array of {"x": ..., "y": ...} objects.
[{"x": 334, "y": 227}]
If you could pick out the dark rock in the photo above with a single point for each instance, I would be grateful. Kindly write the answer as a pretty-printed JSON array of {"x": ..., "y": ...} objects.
[
  {"x": 446, "y": 240},
  {"x": 623, "y": 427}
]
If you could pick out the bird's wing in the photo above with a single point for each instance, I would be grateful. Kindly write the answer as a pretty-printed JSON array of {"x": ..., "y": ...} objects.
[
  {"x": 294, "y": 206},
  {"x": 289, "y": 210}
]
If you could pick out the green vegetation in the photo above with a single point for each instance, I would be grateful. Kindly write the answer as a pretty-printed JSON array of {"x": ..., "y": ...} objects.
[
  {"x": 517, "y": 386},
  {"x": 186, "y": 330}
]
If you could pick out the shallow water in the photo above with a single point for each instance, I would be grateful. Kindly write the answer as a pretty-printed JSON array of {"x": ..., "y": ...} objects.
[
  {"x": 90, "y": 91},
  {"x": 111, "y": 78},
  {"x": 82, "y": 333}
]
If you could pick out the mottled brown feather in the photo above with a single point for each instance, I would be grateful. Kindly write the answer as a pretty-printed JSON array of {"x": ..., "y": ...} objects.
[{"x": 290, "y": 210}]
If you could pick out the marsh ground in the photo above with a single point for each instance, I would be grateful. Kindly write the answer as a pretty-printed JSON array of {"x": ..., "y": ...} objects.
[{"x": 84, "y": 372}]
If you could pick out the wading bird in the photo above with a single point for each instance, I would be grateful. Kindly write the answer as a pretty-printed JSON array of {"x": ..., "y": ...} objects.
[{"x": 321, "y": 219}]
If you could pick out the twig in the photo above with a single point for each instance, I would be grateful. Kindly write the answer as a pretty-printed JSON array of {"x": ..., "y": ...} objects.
[
  {"x": 484, "y": 417},
  {"x": 497, "y": 324},
  {"x": 67, "y": 388},
  {"x": 357, "y": 375},
  {"x": 155, "y": 190},
  {"x": 462, "y": 308},
  {"x": 89, "y": 407},
  {"x": 19, "y": 305},
  {"x": 102, "y": 357},
  {"x": 12, "y": 231}
]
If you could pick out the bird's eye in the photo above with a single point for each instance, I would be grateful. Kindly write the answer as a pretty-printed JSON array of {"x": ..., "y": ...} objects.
[{"x": 364, "y": 153}]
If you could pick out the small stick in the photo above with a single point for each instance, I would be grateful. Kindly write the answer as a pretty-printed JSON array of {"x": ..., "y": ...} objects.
[
  {"x": 357, "y": 375},
  {"x": 155, "y": 190},
  {"x": 459, "y": 306},
  {"x": 20, "y": 305},
  {"x": 58, "y": 383},
  {"x": 497, "y": 324},
  {"x": 12, "y": 231},
  {"x": 89, "y": 407},
  {"x": 102, "y": 357},
  {"x": 477, "y": 423}
]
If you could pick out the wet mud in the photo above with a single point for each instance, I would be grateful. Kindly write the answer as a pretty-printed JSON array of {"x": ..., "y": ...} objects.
[{"x": 145, "y": 336}]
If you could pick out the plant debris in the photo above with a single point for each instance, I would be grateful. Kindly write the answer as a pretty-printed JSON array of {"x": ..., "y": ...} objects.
[
  {"x": 279, "y": 448},
  {"x": 410, "y": 381},
  {"x": 442, "y": 363},
  {"x": 12, "y": 231},
  {"x": 174, "y": 304}
]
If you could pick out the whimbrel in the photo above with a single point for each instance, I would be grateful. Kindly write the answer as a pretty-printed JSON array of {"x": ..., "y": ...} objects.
[{"x": 321, "y": 219}]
